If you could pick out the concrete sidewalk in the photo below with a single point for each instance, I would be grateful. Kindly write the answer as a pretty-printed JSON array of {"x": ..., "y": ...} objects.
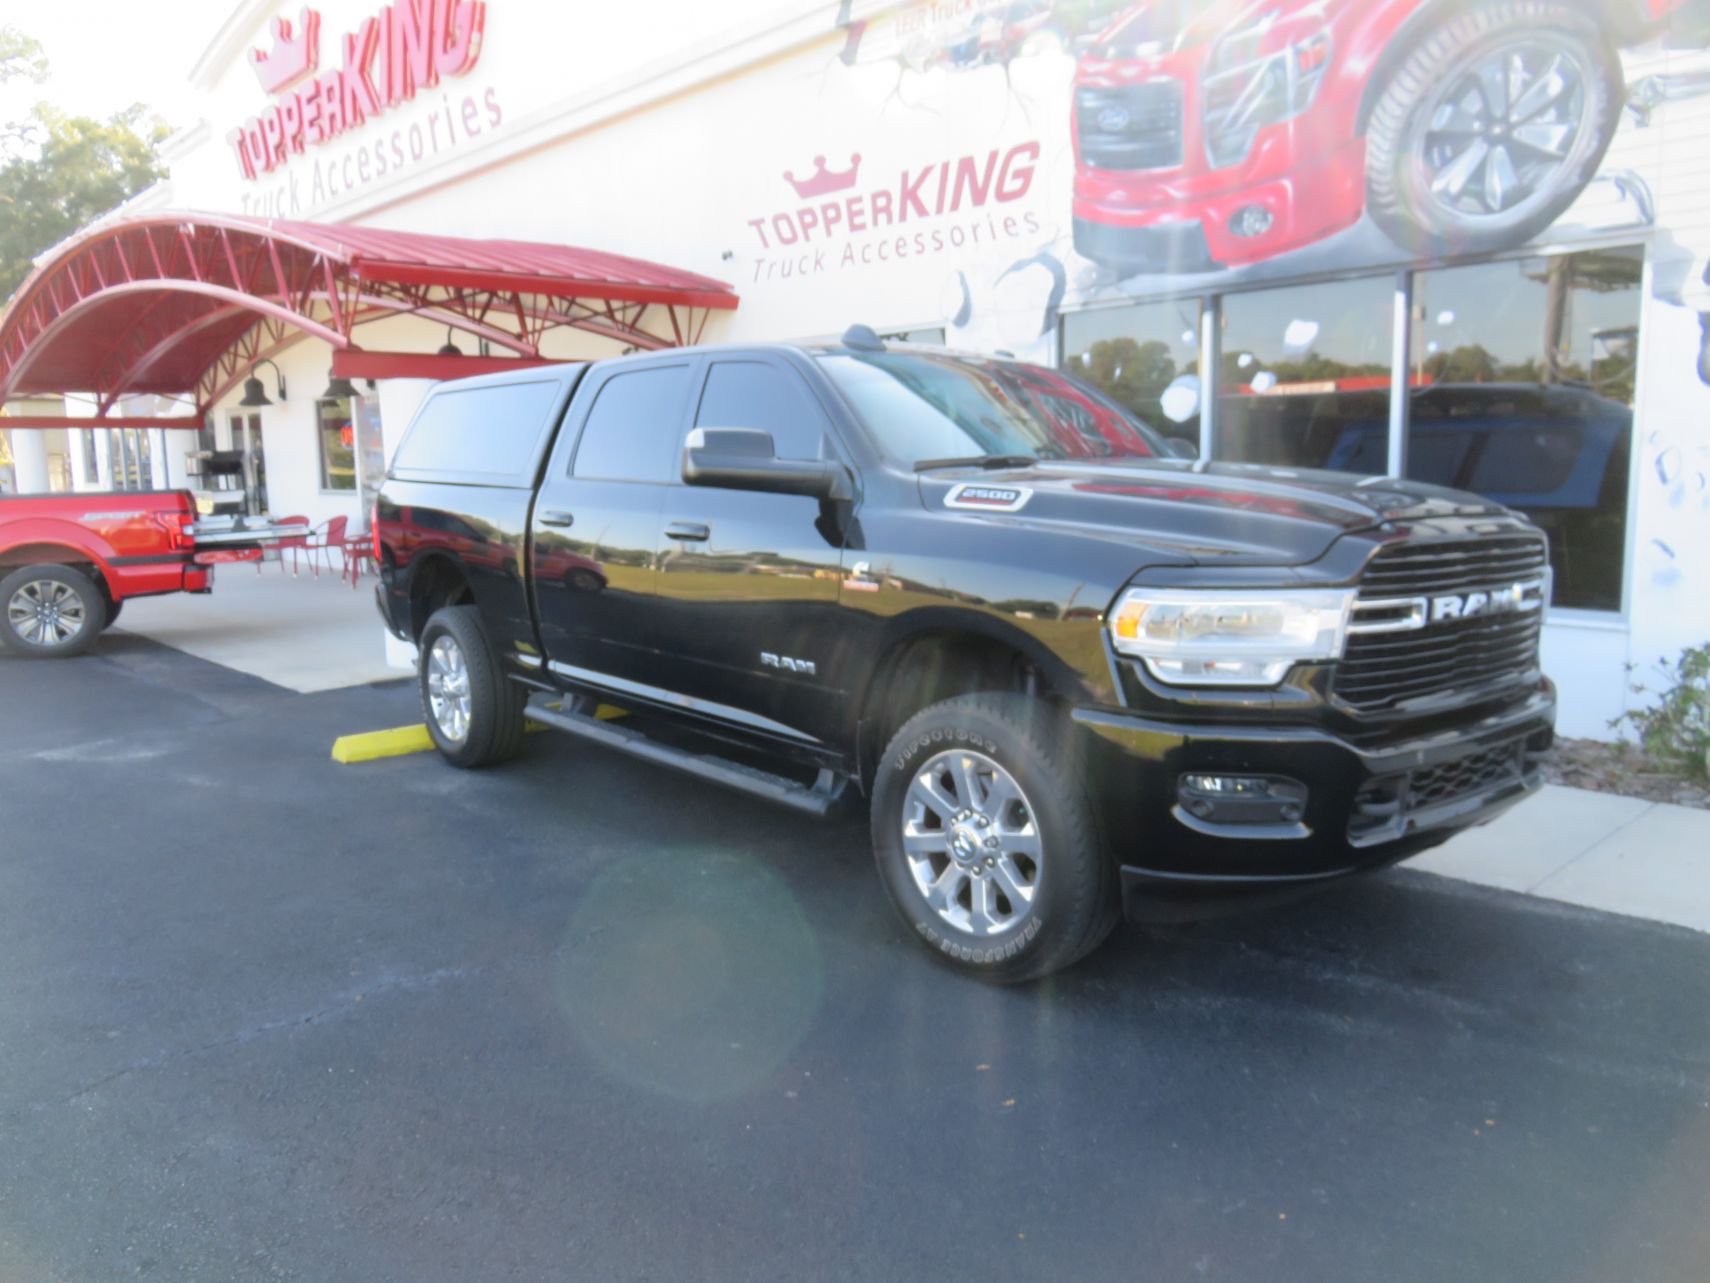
[
  {"x": 306, "y": 634},
  {"x": 1618, "y": 854}
]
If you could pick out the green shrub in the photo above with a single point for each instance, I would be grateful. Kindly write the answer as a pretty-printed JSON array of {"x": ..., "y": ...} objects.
[{"x": 1675, "y": 728}]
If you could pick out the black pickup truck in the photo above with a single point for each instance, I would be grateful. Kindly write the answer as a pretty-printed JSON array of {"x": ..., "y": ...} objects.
[{"x": 1070, "y": 670}]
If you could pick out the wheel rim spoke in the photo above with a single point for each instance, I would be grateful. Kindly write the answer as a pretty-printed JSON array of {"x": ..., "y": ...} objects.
[
  {"x": 921, "y": 842},
  {"x": 982, "y": 913},
  {"x": 943, "y": 891},
  {"x": 1501, "y": 184},
  {"x": 1544, "y": 91},
  {"x": 1549, "y": 140},
  {"x": 930, "y": 794},
  {"x": 1024, "y": 842},
  {"x": 968, "y": 783},
  {"x": 1453, "y": 178},
  {"x": 1009, "y": 877}
]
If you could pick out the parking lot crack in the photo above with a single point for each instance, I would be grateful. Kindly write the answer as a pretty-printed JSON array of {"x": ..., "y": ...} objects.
[{"x": 342, "y": 1004}]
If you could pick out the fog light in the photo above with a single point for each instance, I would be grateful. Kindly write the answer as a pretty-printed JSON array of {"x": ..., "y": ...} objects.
[
  {"x": 1228, "y": 785},
  {"x": 1224, "y": 800},
  {"x": 1251, "y": 220}
]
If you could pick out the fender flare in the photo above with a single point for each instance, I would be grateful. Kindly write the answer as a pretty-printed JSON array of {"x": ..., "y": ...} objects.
[{"x": 68, "y": 535}]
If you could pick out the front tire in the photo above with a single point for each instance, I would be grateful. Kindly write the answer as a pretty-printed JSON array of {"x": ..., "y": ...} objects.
[
  {"x": 50, "y": 611},
  {"x": 1491, "y": 127},
  {"x": 474, "y": 713},
  {"x": 986, "y": 841}
]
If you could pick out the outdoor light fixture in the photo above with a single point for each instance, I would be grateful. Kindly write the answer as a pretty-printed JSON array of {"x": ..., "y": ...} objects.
[
  {"x": 448, "y": 348},
  {"x": 254, "y": 395},
  {"x": 339, "y": 388}
]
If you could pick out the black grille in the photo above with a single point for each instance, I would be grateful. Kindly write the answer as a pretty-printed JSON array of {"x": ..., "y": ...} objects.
[
  {"x": 1131, "y": 127},
  {"x": 1466, "y": 775},
  {"x": 1448, "y": 656}
]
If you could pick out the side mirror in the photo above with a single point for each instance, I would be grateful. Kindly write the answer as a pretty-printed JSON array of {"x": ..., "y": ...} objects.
[
  {"x": 1181, "y": 448},
  {"x": 747, "y": 459}
]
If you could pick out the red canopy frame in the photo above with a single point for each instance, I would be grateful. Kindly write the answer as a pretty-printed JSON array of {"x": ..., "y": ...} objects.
[{"x": 185, "y": 304}]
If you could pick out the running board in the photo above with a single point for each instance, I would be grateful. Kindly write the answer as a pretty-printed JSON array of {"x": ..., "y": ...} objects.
[{"x": 818, "y": 798}]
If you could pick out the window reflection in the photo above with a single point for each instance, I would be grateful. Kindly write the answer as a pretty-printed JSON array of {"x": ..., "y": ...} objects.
[
  {"x": 1306, "y": 375},
  {"x": 1146, "y": 357},
  {"x": 1525, "y": 372},
  {"x": 337, "y": 435}
]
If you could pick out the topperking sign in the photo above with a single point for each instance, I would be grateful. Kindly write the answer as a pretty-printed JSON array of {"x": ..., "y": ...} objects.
[{"x": 409, "y": 46}]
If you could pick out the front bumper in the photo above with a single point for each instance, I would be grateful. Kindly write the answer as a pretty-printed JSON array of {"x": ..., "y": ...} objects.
[
  {"x": 1125, "y": 217},
  {"x": 1368, "y": 805}
]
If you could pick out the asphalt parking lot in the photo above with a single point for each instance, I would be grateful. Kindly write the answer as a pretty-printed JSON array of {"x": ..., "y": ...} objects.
[{"x": 263, "y": 1016}]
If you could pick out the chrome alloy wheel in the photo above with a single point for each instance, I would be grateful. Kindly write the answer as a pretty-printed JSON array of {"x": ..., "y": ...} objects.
[
  {"x": 972, "y": 843},
  {"x": 45, "y": 612},
  {"x": 448, "y": 688},
  {"x": 1502, "y": 130}
]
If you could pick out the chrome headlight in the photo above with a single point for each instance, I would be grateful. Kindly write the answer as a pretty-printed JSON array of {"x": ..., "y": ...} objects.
[{"x": 1193, "y": 637}]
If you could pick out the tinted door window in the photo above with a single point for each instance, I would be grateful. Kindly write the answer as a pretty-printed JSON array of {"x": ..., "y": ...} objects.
[
  {"x": 490, "y": 432},
  {"x": 631, "y": 430},
  {"x": 750, "y": 394}
]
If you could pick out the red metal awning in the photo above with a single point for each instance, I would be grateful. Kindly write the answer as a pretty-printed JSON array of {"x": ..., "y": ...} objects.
[{"x": 184, "y": 304}]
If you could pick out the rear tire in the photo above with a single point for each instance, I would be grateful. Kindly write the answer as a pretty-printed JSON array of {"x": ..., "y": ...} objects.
[
  {"x": 986, "y": 840},
  {"x": 113, "y": 609},
  {"x": 50, "y": 611},
  {"x": 474, "y": 713}
]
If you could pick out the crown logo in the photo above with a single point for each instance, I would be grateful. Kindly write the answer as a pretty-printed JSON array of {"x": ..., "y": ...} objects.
[
  {"x": 825, "y": 181},
  {"x": 293, "y": 56}
]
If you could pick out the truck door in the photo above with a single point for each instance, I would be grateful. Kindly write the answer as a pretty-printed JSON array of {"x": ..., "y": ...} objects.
[
  {"x": 595, "y": 527},
  {"x": 748, "y": 582}
]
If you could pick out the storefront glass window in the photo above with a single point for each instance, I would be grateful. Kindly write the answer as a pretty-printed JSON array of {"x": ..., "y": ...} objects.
[
  {"x": 1523, "y": 374},
  {"x": 1146, "y": 357},
  {"x": 338, "y": 444},
  {"x": 1306, "y": 373}
]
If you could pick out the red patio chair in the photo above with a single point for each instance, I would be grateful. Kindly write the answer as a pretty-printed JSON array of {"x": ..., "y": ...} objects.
[
  {"x": 358, "y": 552},
  {"x": 328, "y": 538},
  {"x": 292, "y": 542}
]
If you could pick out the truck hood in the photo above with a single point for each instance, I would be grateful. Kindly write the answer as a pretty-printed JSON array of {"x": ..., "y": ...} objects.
[
  {"x": 1155, "y": 27},
  {"x": 1192, "y": 512}
]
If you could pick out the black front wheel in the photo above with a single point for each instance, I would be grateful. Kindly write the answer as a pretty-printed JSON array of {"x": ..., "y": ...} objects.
[
  {"x": 986, "y": 841},
  {"x": 474, "y": 713},
  {"x": 50, "y": 612},
  {"x": 1491, "y": 126}
]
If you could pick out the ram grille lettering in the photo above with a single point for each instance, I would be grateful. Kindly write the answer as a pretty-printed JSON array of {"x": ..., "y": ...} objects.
[{"x": 1498, "y": 601}]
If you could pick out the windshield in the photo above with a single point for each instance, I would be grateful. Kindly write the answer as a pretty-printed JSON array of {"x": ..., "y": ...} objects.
[{"x": 922, "y": 406}]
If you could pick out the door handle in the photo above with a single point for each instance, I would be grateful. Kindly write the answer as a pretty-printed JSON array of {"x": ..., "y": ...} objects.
[
  {"x": 553, "y": 517},
  {"x": 691, "y": 531}
]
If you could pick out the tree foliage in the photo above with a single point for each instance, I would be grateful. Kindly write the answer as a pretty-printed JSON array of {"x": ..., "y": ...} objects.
[
  {"x": 59, "y": 171},
  {"x": 21, "y": 57}
]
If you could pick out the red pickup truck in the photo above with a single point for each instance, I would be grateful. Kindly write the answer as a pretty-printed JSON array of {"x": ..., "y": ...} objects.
[
  {"x": 69, "y": 562},
  {"x": 1228, "y": 132}
]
